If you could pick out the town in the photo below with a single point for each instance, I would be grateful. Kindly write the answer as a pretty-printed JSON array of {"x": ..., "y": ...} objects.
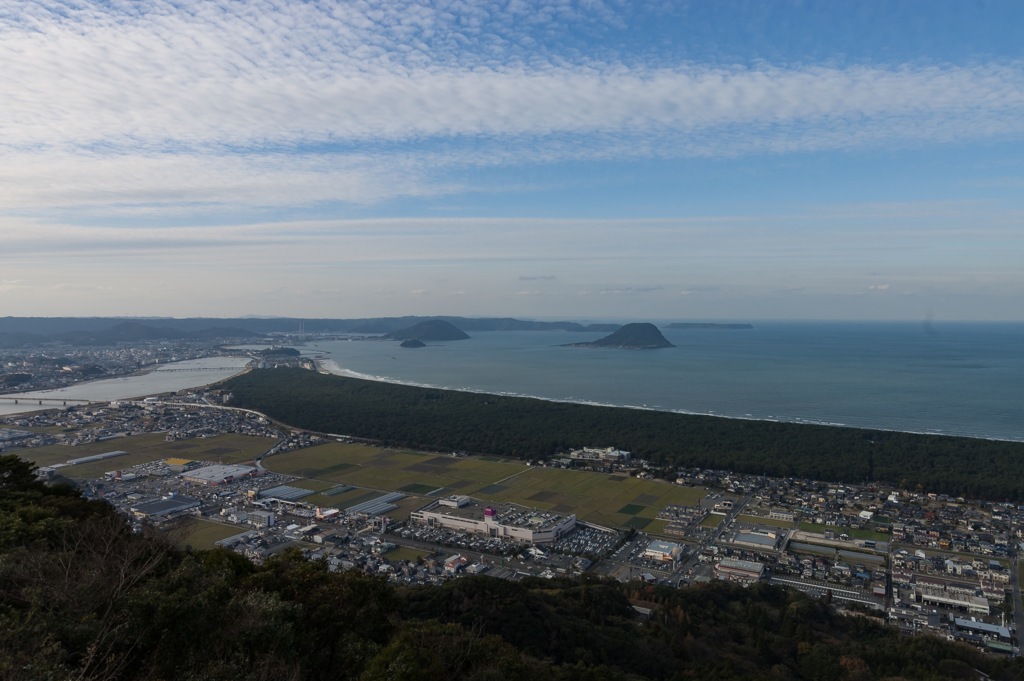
[
  {"x": 56, "y": 367},
  {"x": 215, "y": 475}
]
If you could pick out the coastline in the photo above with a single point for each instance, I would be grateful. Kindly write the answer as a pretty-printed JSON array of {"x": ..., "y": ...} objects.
[{"x": 330, "y": 366}]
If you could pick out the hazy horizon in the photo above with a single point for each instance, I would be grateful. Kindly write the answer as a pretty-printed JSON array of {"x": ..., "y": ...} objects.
[
  {"x": 927, "y": 322},
  {"x": 559, "y": 160}
]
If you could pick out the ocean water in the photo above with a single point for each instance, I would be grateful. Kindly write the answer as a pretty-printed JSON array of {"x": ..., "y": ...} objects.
[{"x": 953, "y": 378}]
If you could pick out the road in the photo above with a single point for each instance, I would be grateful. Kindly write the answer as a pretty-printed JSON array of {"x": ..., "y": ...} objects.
[
  {"x": 713, "y": 537},
  {"x": 1018, "y": 611}
]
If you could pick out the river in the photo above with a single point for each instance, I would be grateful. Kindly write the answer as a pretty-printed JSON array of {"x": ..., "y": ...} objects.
[{"x": 171, "y": 377}]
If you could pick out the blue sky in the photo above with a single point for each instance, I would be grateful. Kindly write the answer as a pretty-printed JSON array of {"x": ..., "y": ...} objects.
[{"x": 572, "y": 159}]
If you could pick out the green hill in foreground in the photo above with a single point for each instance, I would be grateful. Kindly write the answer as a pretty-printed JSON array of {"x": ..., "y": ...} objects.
[
  {"x": 83, "y": 597},
  {"x": 526, "y": 428}
]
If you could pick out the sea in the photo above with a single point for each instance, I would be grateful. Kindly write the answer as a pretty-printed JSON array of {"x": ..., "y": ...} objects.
[{"x": 964, "y": 379}]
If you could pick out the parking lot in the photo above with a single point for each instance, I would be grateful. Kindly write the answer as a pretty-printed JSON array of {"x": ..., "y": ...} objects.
[{"x": 587, "y": 541}]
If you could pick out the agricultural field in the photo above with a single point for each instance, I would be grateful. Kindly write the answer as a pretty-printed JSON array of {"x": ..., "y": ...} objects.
[
  {"x": 321, "y": 460},
  {"x": 609, "y": 500},
  {"x": 230, "y": 448},
  {"x": 393, "y": 471},
  {"x": 52, "y": 454},
  {"x": 204, "y": 534}
]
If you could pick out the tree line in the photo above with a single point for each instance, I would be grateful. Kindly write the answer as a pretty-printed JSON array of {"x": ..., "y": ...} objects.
[{"x": 526, "y": 428}]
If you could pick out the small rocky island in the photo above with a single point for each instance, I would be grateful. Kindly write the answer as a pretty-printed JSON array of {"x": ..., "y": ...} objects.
[
  {"x": 413, "y": 343},
  {"x": 639, "y": 336},
  {"x": 432, "y": 330}
]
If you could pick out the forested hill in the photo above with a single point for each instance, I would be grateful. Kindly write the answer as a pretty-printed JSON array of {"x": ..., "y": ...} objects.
[
  {"x": 84, "y": 597},
  {"x": 639, "y": 336},
  {"x": 528, "y": 428},
  {"x": 430, "y": 330}
]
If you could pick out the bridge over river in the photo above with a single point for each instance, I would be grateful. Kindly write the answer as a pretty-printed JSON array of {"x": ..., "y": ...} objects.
[{"x": 28, "y": 399}]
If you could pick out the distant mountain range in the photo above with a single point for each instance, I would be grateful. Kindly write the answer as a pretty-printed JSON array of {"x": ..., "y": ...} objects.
[
  {"x": 33, "y": 331},
  {"x": 48, "y": 326},
  {"x": 125, "y": 332}
]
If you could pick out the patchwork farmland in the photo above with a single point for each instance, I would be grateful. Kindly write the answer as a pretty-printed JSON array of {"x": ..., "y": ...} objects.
[{"x": 608, "y": 500}]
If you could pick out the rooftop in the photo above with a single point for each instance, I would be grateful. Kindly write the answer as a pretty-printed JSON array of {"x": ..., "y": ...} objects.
[
  {"x": 165, "y": 506},
  {"x": 735, "y": 564},
  {"x": 218, "y": 473},
  {"x": 506, "y": 514},
  {"x": 662, "y": 546},
  {"x": 753, "y": 538}
]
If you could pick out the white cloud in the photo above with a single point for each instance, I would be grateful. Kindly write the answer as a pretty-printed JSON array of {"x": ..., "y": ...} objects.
[
  {"x": 177, "y": 148},
  {"x": 216, "y": 105},
  {"x": 673, "y": 252},
  {"x": 629, "y": 290},
  {"x": 8, "y": 285},
  {"x": 140, "y": 185}
]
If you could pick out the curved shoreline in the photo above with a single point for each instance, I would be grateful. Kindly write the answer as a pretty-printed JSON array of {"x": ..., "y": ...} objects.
[{"x": 330, "y": 366}]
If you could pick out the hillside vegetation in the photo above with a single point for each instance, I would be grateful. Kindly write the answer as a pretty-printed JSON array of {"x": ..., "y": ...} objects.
[
  {"x": 84, "y": 597},
  {"x": 518, "y": 427},
  {"x": 432, "y": 330},
  {"x": 638, "y": 336}
]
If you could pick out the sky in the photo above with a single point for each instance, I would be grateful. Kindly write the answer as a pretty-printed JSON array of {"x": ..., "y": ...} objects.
[{"x": 572, "y": 159}]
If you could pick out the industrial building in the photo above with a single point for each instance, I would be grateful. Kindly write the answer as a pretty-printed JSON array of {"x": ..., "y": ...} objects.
[
  {"x": 764, "y": 540},
  {"x": 608, "y": 454},
  {"x": 991, "y": 637},
  {"x": 948, "y": 594},
  {"x": 164, "y": 509},
  {"x": 497, "y": 520},
  {"x": 983, "y": 629},
  {"x": 284, "y": 493},
  {"x": 455, "y": 501},
  {"x": 742, "y": 571},
  {"x": 218, "y": 475},
  {"x": 664, "y": 551},
  {"x": 260, "y": 518},
  {"x": 95, "y": 457}
]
